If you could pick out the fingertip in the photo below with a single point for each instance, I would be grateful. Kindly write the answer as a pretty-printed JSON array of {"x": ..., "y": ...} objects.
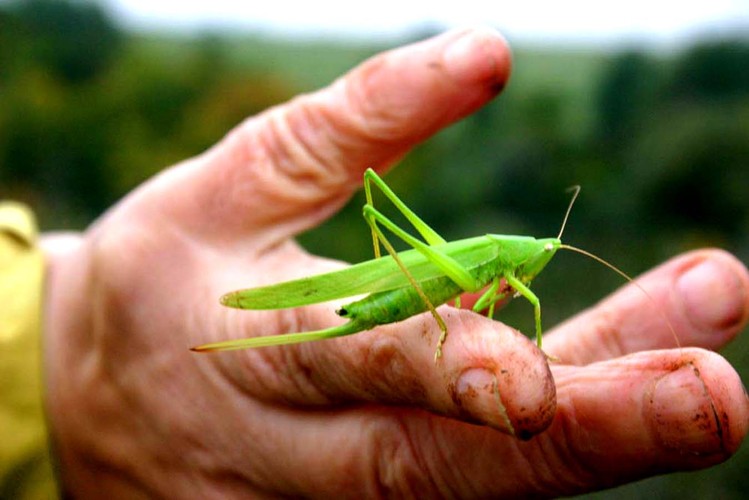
[
  {"x": 698, "y": 409},
  {"x": 714, "y": 290},
  {"x": 402, "y": 96},
  {"x": 479, "y": 55},
  {"x": 488, "y": 374},
  {"x": 667, "y": 410},
  {"x": 505, "y": 381},
  {"x": 726, "y": 401}
]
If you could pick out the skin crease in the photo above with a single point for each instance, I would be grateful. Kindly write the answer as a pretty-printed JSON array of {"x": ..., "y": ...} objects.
[{"x": 133, "y": 413}]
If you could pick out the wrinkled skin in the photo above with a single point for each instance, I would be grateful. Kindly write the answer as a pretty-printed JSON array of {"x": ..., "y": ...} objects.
[{"x": 134, "y": 413}]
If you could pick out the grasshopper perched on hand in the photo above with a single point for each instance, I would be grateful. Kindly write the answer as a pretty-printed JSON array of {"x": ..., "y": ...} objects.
[{"x": 403, "y": 284}]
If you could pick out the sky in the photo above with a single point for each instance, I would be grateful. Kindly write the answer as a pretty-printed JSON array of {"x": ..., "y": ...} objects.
[{"x": 591, "y": 21}]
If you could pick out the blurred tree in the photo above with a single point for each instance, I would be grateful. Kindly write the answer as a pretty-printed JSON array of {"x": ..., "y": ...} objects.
[
  {"x": 626, "y": 92},
  {"x": 89, "y": 112},
  {"x": 74, "y": 40},
  {"x": 701, "y": 174},
  {"x": 52, "y": 52},
  {"x": 717, "y": 70}
]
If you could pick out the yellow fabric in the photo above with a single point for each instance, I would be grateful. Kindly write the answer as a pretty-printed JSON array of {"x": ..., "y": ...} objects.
[{"x": 25, "y": 466}]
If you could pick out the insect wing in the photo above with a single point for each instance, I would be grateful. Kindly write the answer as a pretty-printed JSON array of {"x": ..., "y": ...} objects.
[{"x": 371, "y": 276}]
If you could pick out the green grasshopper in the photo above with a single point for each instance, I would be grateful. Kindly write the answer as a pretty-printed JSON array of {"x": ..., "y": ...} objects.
[{"x": 404, "y": 284}]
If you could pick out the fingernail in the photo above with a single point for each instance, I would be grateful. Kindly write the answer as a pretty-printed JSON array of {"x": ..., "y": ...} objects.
[
  {"x": 684, "y": 414},
  {"x": 713, "y": 296},
  {"x": 478, "y": 395},
  {"x": 476, "y": 56}
]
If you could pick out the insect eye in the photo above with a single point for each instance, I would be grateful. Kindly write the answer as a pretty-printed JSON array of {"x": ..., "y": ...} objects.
[{"x": 548, "y": 247}]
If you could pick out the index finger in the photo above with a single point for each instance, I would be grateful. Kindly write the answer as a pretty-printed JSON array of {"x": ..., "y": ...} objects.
[{"x": 291, "y": 166}]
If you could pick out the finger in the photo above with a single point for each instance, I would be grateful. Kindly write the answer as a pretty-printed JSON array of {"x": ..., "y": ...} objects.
[
  {"x": 641, "y": 415},
  {"x": 703, "y": 295},
  {"x": 617, "y": 421},
  {"x": 488, "y": 373},
  {"x": 291, "y": 166}
]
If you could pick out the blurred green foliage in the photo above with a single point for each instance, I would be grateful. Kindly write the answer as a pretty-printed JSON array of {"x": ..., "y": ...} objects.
[
  {"x": 88, "y": 111},
  {"x": 659, "y": 142}
]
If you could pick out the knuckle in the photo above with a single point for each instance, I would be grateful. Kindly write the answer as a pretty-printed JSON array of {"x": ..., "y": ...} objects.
[
  {"x": 397, "y": 468},
  {"x": 388, "y": 372},
  {"x": 373, "y": 115}
]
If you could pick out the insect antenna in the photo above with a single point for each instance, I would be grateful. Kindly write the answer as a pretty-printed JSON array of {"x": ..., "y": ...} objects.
[
  {"x": 575, "y": 191},
  {"x": 626, "y": 277}
]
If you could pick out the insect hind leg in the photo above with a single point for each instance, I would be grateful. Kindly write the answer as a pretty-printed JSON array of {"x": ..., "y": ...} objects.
[
  {"x": 371, "y": 220},
  {"x": 430, "y": 235}
]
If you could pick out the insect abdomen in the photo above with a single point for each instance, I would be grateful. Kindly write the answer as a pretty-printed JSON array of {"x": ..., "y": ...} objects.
[{"x": 396, "y": 305}]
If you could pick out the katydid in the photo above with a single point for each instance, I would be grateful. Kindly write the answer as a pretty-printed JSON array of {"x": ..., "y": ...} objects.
[{"x": 404, "y": 284}]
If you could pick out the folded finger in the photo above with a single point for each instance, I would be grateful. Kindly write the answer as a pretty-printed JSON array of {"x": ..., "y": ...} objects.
[{"x": 697, "y": 299}]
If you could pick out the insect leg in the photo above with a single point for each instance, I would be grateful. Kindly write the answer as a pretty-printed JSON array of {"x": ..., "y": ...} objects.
[
  {"x": 370, "y": 202},
  {"x": 486, "y": 298},
  {"x": 452, "y": 268},
  {"x": 489, "y": 298},
  {"x": 526, "y": 292},
  {"x": 430, "y": 235},
  {"x": 286, "y": 338},
  {"x": 440, "y": 322}
]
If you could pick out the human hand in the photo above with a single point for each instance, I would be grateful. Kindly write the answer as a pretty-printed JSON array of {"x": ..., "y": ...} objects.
[{"x": 133, "y": 411}]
